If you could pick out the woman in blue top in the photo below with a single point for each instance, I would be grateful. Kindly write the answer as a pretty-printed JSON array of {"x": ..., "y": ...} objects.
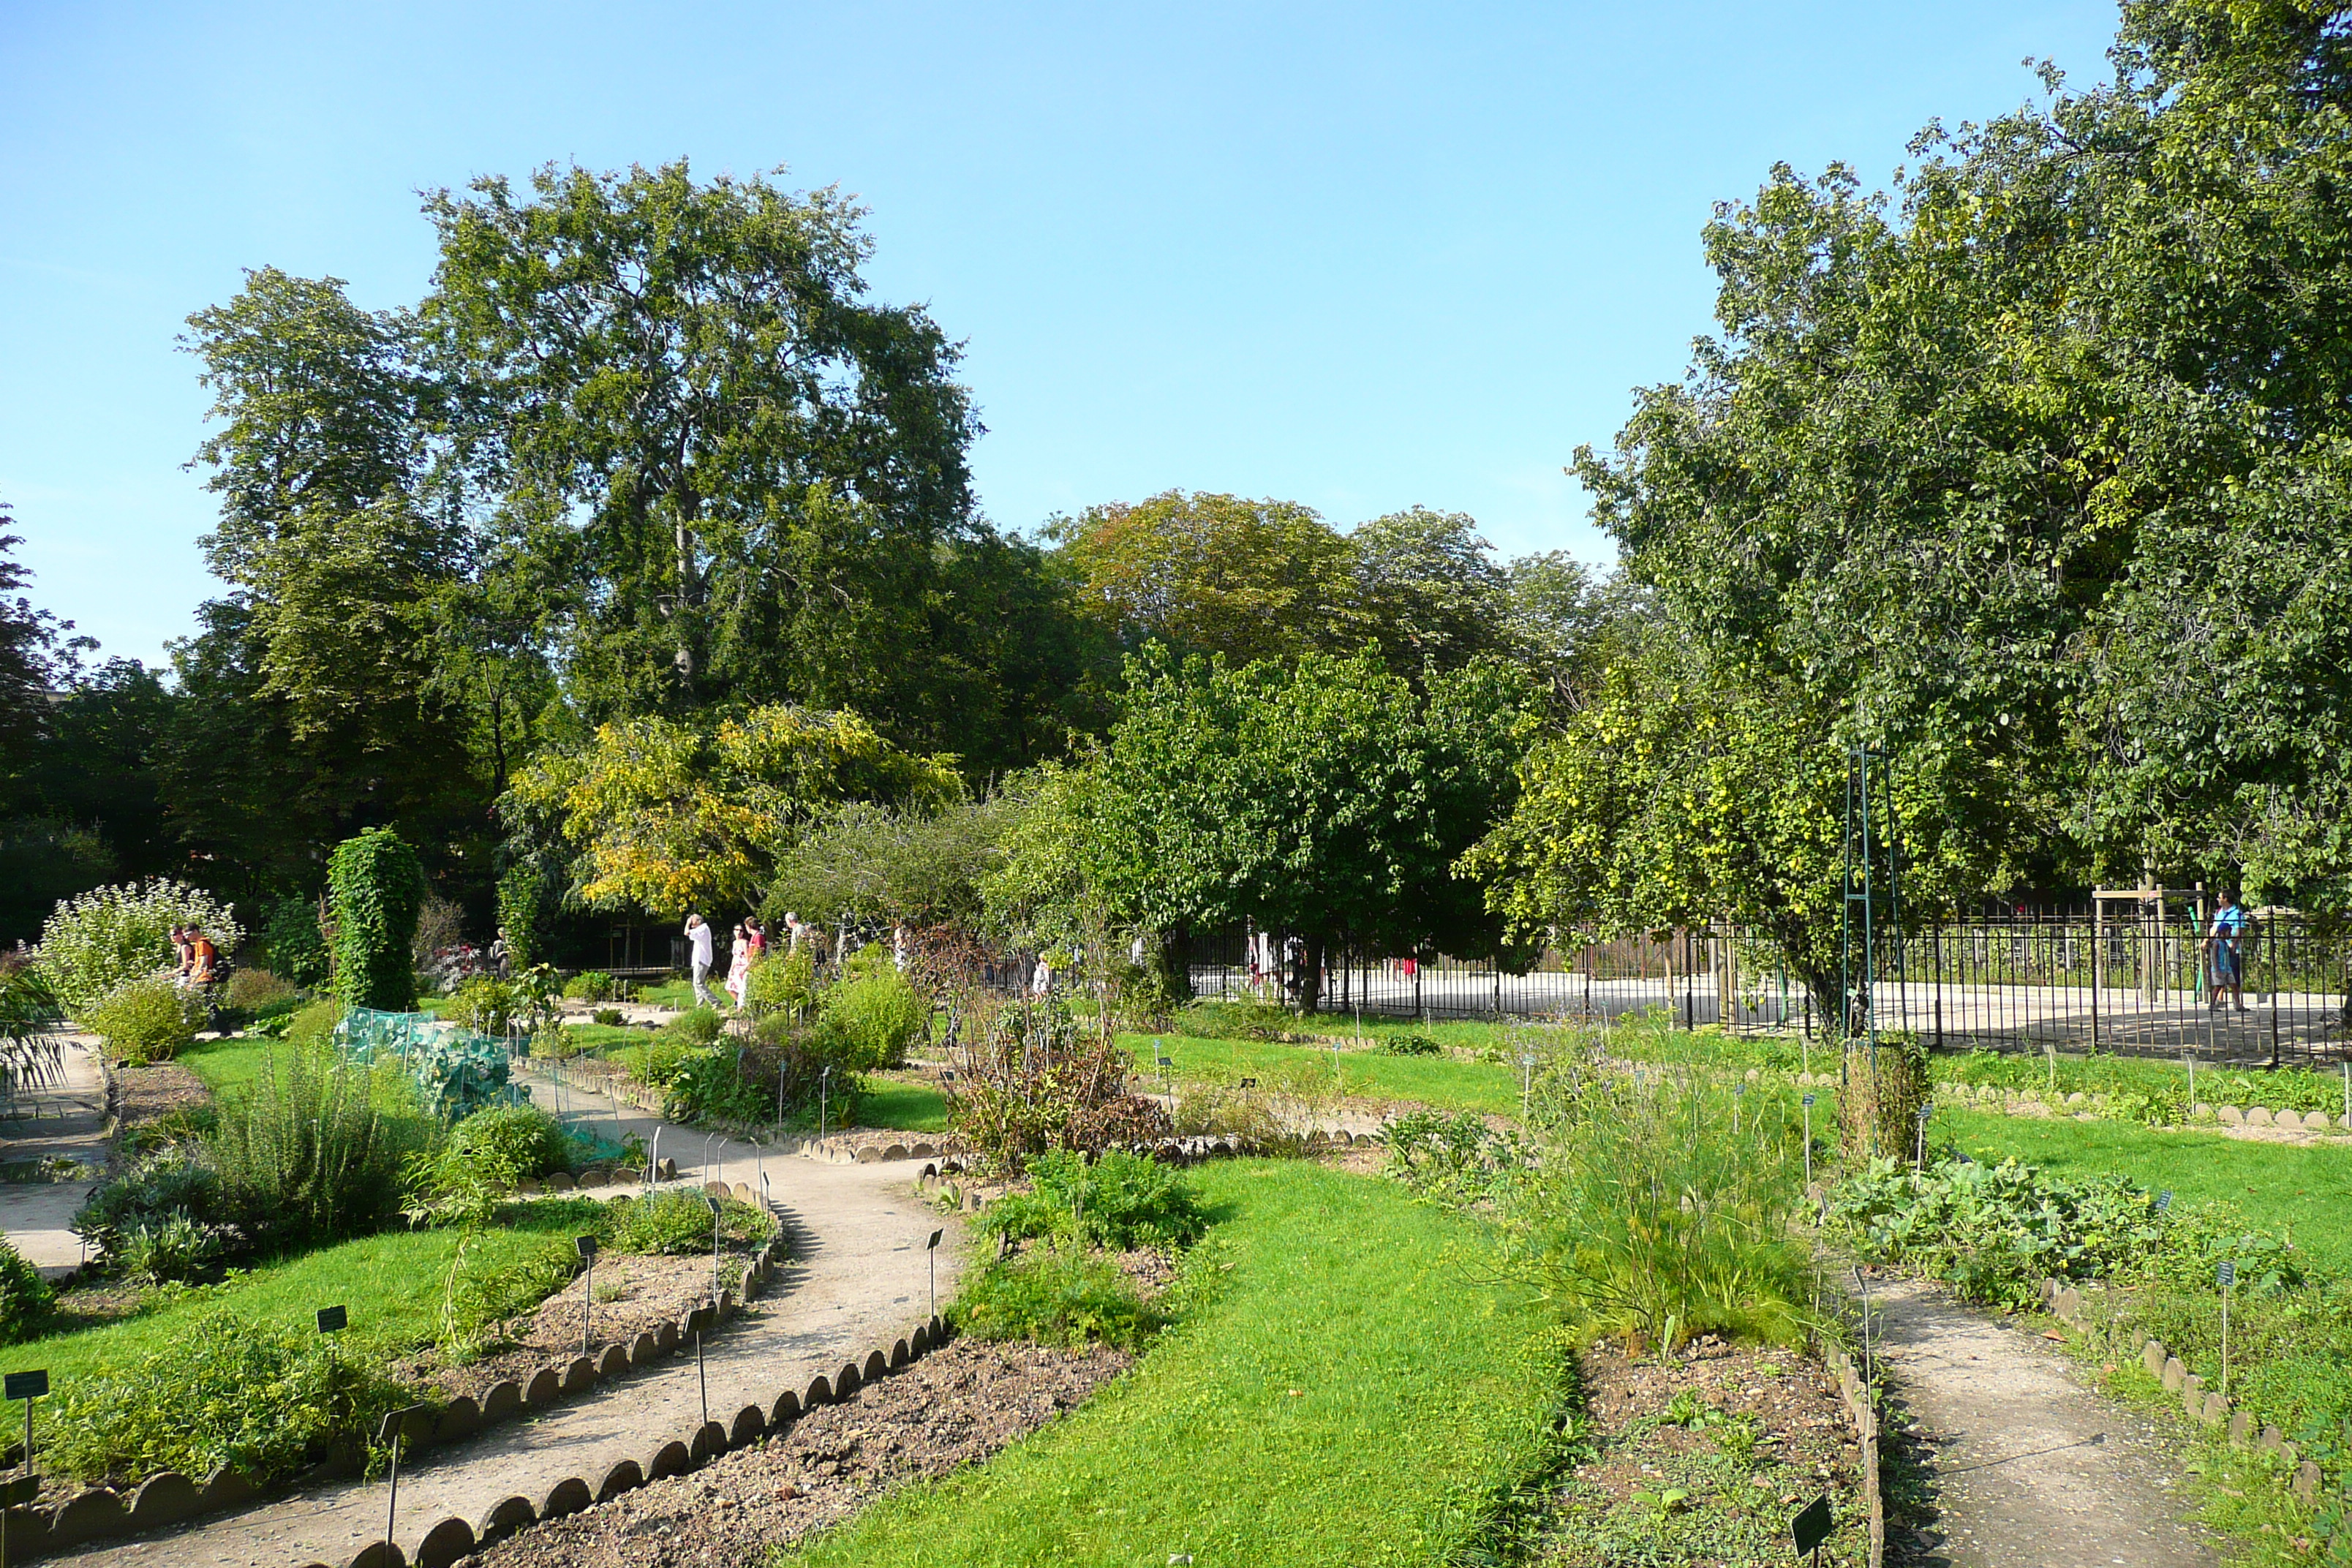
[{"x": 2225, "y": 953}]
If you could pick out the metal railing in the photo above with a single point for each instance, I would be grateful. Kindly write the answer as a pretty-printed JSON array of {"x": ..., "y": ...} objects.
[{"x": 2069, "y": 983}]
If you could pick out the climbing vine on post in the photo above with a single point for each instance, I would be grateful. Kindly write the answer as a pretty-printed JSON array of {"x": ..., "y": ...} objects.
[
  {"x": 523, "y": 912},
  {"x": 377, "y": 888}
]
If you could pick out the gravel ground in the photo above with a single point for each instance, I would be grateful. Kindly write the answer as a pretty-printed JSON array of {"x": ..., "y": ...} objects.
[{"x": 957, "y": 1406}]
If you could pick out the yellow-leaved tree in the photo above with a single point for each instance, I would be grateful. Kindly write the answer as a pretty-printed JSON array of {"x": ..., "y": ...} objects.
[{"x": 668, "y": 816}]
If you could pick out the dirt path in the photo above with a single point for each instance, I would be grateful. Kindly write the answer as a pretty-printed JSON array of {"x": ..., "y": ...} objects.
[
  {"x": 2005, "y": 1432},
  {"x": 857, "y": 1280}
]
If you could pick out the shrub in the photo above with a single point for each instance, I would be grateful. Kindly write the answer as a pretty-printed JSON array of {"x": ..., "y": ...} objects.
[
  {"x": 1222, "y": 1111},
  {"x": 1030, "y": 1083},
  {"x": 680, "y": 1223},
  {"x": 305, "y": 1155},
  {"x": 174, "y": 1182},
  {"x": 873, "y": 1010},
  {"x": 711, "y": 1083},
  {"x": 173, "y": 1249},
  {"x": 25, "y": 1299},
  {"x": 1239, "y": 1021},
  {"x": 592, "y": 985},
  {"x": 697, "y": 1026},
  {"x": 293, "y": 943},
  {"x": 1054, "y": 1296},
  {"x": 1455, "y": 1159},
  {"x": 522, "y": 1136},
  {"x": 786, "y": 984},
  {"x": 1118, "y": 1201},
  {"x": 524, "y": 912},
  {"x": 258, "y": 1397},
  {"x": 610, "y": 1017},
  {"x": 149, "y": 1020},
  {"x": 102, "y": 939},
  {"x": 1410, "y": 1045},
  {"x": 487, "y": 1005},
  {"x": 378, "y": 891},
  {"x": 254, "y": 989}
]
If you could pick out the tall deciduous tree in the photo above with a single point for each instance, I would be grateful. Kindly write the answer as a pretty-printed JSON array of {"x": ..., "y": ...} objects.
[{"x": 731, "y": 470}]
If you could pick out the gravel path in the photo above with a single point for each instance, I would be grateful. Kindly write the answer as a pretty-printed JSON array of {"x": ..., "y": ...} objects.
[
  {"x": 2005, "y": 1428},
  {"x": 857, "y": 1280}
]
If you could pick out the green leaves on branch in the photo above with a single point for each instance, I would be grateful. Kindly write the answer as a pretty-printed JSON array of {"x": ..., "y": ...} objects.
[{"x": 377, "y": 890}]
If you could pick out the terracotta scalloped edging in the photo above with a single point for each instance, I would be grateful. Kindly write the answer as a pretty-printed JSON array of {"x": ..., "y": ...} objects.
[
  {"x": 2212, "y": 1408},
  {"x": 167, "y": 1497}
]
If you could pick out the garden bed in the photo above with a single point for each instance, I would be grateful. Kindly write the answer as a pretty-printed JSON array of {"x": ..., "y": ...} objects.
[
  {"x": 1704, "y": 1459},
  {"x": 952, "y": 1409}
]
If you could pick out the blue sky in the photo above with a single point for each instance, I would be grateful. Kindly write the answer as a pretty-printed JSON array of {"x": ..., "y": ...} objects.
[{"x": 1359, "y": 257}]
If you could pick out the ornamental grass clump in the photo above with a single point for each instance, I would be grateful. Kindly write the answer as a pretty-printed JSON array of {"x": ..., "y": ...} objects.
[{"x": 1662, "y": 1208}]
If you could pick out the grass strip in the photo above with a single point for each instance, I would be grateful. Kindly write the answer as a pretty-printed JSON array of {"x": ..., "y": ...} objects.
[
  {"x": 394, "y": 1284},
  {"x": 1350, "y": 1393},
  {"x": 2299, "y": 1190},
  {"x": 1440, "y": 1082},
  {"x": 226, "y": 1064}
]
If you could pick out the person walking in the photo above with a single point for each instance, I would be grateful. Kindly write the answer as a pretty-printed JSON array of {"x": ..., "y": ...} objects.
[
  {"x": 756, "y": 935},
  {"x": 738, "y": 968},
  {"x": 2225, "y": 953},
  {"x": 698, "y": 935}
]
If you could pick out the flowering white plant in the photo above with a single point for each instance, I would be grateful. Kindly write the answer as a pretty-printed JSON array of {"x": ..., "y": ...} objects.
[{"x": 103, "y": 938}]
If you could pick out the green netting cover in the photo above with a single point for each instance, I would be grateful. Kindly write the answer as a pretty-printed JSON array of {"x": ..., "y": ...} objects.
[{"x": 458, "y": 1072}]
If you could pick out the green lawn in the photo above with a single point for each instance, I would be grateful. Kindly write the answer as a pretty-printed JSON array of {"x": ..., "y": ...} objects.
[
  {"x": 226, "y": 1064},
  {"x": 2301, "y": 1190},
  {"x": 1366, "y": 1075},
  {"x": 1356, "y": 1394},
  {"x": 907, "y": 1107},
  {"x": 392, "y": 1284}
]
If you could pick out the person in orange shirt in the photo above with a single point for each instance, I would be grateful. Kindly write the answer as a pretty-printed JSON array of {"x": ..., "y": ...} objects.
[{"x": 203, "y": 958}]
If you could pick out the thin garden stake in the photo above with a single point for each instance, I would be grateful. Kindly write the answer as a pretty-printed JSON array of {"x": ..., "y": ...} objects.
[
  {"x": 1809, "y": 1143},
  {"x": 2229, "y": 1277}
]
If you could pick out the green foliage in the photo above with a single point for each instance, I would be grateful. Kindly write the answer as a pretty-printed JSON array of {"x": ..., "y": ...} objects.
[
  {"x": 1455, "y": 1159},
  {"x": 697, "y": 1026},
  {"x": 1326, "y": 798},
  {"x": 173, "y": 1249},
  {"x": 99, "y": 941},
  {"x": 522, "y": 1136},
  {"x": 592, "y": 985},
  {"x": 488, "y": 1005},
  {"x": 26, "y": 1299},
  {"x": 173, "y": 1183},
  {"x": 1651, "y": 1216},
  {"x": 377, "y": 890},
  {"x": 250, "y": 990},
  {"x": 1030, "y": 1083},
  {"x": 680, "y": 1223},
  {"x": 293, "y": 943},
  {"x": 147, "y": 1020},
  {"x": 1117, "y": 1201},
  {"x": 1410, "y": 1044},
  {"x": 873, "y": 1010},
  {"x": 306, "y": 1154},
  {"x": 1054, "y": 1296},
  {"x": 261, "y": 1398},
  {"x": 782, "y": 983},
  {"x": 711, "y": 1083},
  {"x": 1996, "y": 1231},
  {"x": 892, "y": 866},
  {"x": 525, "y": 913}
]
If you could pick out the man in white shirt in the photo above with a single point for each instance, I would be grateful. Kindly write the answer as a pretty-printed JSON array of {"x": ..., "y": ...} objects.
[{"x": 700, "y": 935}]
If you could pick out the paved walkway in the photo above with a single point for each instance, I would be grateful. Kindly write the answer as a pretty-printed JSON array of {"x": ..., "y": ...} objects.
[
  {"x": 65, "y": 1118},
  {"x": 2027, "y": 1467},
  {"x": 855, "y": 1281}
]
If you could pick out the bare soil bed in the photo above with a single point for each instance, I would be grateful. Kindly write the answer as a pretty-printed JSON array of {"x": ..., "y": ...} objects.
[
  {"x": 634, "y": 1294},
  {"x": 1703, "y": 1460},
  {"x": 151, "y": 1093},
  {"x": 954, "y": 1407}
]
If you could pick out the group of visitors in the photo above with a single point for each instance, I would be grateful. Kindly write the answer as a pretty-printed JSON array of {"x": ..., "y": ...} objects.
[
  {"x": 751, "y": 944},
  {"x": 199, "y": 960}
]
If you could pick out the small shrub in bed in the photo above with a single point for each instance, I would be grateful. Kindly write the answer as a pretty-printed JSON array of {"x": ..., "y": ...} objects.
[
  {"x": 523, "y": 1135},
  {"x": 592, "y": 985},
  {"x": 873, "y": 1010},
  {"x": 680, "y": 1223},
  {"x": 1413, "y": 1044},
  {"x": 25, "y": 1297},
  {"x": 250, "y": 990},
  {"x": 149, "y": 1020},
  {"x": 259, "y": 1397},
  {"x": 1118, "y": 1201},
  {"x": 1054, "y": 1296},
  {"x": 173, "y": 1183}
]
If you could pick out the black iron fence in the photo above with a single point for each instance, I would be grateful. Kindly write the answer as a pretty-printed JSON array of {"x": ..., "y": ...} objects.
[{"x": 2139, "y": 986}]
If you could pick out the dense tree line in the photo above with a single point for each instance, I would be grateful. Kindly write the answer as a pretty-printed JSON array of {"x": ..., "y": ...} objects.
[{"x": 639, "y": 562}]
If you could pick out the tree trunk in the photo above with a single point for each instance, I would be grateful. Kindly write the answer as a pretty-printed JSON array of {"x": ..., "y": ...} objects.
[{"x": 1311, "y": 985}]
